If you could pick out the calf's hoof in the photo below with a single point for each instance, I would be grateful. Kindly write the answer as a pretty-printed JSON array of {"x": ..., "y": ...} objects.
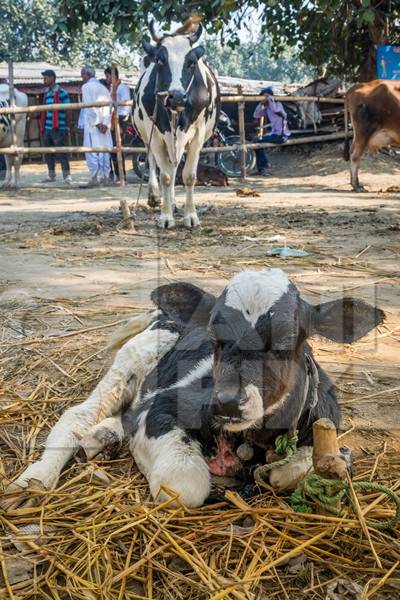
[
  {"x": 359, "y": 188},
  {"x": 166, "y": 221},
  {"x": 286, "y": 477},
  {"x": 14, "y": 495},
  {"x": 191, "y": 220}
]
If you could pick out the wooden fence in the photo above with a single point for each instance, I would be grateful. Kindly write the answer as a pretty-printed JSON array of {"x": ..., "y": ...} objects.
[{"x": 240, "y": 99}]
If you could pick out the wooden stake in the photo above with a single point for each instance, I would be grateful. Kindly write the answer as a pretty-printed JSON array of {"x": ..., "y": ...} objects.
[
  {"x": 126, "y": 213},
  {"x": 327, "y": 460},
  {"x": 117, "y": 127},
  {"x": 12, "y": 101},
  {"x": 242, "y": 132}
]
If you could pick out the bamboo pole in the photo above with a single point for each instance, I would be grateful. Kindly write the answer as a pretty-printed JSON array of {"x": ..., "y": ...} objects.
[
  {"x": 126, "y": 213},
  {"x": 282, "y": 99},
  {"x": 242, "y": 98},
  {"x": 242, "y": 133},
  {"x": 117, "y": 127},
  {"x": 12, "y": 102},
  {"x": 51, "y": 107},
  {"x": 142, "y": 149}
]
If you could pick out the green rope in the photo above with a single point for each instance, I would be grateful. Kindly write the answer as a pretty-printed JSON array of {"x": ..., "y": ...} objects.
[
  {"x": 327, "y": 492},
  {"x": 284, "y": 444}
]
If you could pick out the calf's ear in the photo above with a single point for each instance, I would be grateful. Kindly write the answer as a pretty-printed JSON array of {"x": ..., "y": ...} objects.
[
  {"x": 184, "y": 303},
  {"x": 345, "y": 320}
]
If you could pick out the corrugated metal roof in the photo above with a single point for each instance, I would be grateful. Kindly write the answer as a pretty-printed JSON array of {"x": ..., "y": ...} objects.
[{"x": 31, "y": 73}]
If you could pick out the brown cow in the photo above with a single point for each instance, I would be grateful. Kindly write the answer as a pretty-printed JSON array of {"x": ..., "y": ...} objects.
[{"x": 375, "y": 113}]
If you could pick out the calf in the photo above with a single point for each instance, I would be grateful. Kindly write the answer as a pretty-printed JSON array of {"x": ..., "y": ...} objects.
[
  {"x": 6, "y": 140},
  {"x": 375, "y": 114},
  {"x": 206, "y": 175},
  {"x": 207, "y": 375}
]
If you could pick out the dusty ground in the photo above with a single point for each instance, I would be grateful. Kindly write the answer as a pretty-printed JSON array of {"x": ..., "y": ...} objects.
[{"x": 62, "y": 246}]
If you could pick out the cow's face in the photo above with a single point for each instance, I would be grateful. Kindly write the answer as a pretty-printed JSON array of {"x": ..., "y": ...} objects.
[
  {"x": 175, "y": 62},
  {"x": 258, "y": 327}
]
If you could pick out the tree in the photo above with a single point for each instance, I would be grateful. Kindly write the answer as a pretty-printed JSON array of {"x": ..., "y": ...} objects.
[
  {"x": 30, "y": 31},
  {"x": 252, "y": 60},
  {"x": 339, "y": 34}
]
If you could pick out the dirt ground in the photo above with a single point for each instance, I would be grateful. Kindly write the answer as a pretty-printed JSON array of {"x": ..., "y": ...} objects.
[{"x": 64, "y": 245}]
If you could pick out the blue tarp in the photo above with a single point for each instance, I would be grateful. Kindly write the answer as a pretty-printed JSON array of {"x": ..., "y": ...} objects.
[{"x": 388, "y": 63}]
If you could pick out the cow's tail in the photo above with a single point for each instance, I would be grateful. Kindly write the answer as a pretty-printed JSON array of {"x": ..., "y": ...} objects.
[
  {"x": 131, "y": 328},
  {"x": 347, "y": 140}
]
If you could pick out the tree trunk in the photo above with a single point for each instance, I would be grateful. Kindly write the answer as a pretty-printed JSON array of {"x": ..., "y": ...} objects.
[{"x": 378, "y": 34}]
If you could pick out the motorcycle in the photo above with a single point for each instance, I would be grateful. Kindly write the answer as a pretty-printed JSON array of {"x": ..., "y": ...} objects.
[{"x": 228, "y": 162}]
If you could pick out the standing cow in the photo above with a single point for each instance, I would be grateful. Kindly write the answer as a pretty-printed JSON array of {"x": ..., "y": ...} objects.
[
  {"x": 6, "y": 140},
  {"x": 176, "y": 109},
  {"x": 375, "y": 114}
]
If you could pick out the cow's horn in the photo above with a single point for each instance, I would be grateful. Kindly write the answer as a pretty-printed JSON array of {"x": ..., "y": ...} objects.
[
  {"x": 196, "y": 35},
  {"x": 156, "y": 38}
]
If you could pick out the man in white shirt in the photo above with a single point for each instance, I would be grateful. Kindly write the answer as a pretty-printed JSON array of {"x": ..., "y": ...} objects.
[
  {"x": 120, "y": 92},
  {"x": 96, "y": 123}
]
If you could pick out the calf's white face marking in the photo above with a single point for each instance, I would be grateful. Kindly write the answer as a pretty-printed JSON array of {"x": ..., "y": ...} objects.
[{"x": 253, "y": 293}]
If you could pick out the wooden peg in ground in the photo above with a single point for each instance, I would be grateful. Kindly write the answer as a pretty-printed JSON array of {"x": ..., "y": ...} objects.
[{"x": 328, "y": 462}]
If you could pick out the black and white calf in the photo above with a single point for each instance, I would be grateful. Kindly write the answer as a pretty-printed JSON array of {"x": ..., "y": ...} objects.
[
  {"x": 21, "y": 99},
  {"x": 205, "y": 376},
  {"x": 176, "y": 109}
]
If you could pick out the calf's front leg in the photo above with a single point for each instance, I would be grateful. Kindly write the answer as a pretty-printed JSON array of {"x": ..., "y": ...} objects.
[{"x": 120, "y": 385}]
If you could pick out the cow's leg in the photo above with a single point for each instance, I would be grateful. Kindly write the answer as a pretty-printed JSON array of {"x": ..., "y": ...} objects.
[
  {"x": 189, "y": 174},
  {"x": 172, "y": 461},
  {"x": 153, "y": 196},
  {"x": 9, "y": 162},
  {"x": 356, "y": 150},
  {"x": 120, "y": 385},
  {"x": 167, "y": 179},
  {"x": 17, "y": 166}
]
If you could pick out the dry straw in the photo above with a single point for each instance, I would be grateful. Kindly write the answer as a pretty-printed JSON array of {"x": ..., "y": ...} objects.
[{"x": 98, "y": 535}]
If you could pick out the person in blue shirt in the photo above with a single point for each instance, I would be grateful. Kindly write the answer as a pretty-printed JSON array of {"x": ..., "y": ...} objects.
[{"x": 53, "y": 126}]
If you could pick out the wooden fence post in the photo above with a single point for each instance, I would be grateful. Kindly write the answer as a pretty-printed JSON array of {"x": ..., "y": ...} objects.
[
  {"x": 12, "y": 101},
  {"x": 126, "y": 213},
  {"x": 242, "y": 132}
]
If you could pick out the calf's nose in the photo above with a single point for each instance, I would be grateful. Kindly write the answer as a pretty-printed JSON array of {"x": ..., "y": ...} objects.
[{"x": 228, "y": 403}]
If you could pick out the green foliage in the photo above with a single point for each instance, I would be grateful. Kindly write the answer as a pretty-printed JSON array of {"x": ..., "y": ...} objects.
[
  {"x": 31, "y": 30},
  {"x": 338, "y": 34},
  {"x": 252, "y": 60}
]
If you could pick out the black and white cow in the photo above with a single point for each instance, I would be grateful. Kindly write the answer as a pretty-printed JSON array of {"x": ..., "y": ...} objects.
[
  {"x": 176, "y": 109},
  {"x": 21, "y": 99},
  {"x": 207, "y": 375}
]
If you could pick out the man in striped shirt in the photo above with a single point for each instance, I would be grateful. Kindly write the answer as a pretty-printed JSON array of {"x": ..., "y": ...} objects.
[{"x": 53, "y": 126}]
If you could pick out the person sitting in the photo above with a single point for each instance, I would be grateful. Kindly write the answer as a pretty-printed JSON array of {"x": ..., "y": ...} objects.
[{"x": 279, "y": 133}]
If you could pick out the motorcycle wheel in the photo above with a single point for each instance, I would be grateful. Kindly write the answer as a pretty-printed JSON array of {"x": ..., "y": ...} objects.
[
  {"x": 140, "y": 166},
  {"x": 229, "y": 162}
]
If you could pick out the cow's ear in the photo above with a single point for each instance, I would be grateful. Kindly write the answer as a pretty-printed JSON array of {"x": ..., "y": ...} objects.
[
  {"x": 149, "y": 49},
  {"x": 199, "y": 51},
  {"x": 184, "y": 303},
  {"x": 345, "y": 320}
]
